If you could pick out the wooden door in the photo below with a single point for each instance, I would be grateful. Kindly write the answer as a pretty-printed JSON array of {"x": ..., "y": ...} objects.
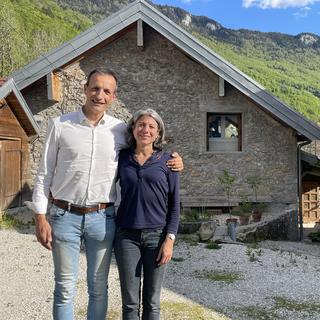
[
  {"x": 10, "y": 174},
  {"x": 311, "y": 201}
]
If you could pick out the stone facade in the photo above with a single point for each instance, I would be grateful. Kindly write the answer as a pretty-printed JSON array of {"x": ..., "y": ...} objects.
[{"x": 162, "y": 77}]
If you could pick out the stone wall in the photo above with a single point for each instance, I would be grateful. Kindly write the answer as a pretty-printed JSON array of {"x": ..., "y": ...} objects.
[
  {"x": 283, "y": 227},
  {"x": 162, "y": 77}
]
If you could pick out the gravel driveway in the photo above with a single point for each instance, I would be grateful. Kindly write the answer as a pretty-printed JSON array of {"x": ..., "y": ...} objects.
[{"x": 280, "y": 282}]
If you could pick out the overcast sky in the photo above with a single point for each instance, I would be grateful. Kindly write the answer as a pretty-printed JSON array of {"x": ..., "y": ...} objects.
[{"x": 285, "y": 16}]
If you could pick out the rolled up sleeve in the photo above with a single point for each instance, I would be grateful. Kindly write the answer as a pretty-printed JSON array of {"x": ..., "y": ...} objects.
[{"x": 46, "y": 171}]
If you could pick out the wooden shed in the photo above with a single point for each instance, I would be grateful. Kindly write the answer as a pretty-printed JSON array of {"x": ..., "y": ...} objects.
[{"x": 17, "y": 129}]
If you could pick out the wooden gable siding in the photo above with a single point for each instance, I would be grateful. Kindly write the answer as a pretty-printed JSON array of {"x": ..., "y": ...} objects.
[
  {"x": 19, "y": 113},
  {"x": 9, "y": 125}
]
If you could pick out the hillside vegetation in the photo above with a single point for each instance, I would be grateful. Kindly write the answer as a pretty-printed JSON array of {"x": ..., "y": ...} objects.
[
  {"x": 29, "y": 28},
  {"x": 291, "y": 75},
  {"x": 287, "y": 66}
]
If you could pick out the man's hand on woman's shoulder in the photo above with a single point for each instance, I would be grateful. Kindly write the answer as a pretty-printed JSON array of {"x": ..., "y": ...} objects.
[{"x": 175, "y": 164}]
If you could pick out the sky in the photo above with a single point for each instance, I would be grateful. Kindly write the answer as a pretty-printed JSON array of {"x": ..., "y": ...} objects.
[{"x": 285, "y": 16}]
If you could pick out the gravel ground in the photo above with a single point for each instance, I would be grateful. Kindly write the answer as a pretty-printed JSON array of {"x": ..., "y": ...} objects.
[{"x": 281, "y": 282}]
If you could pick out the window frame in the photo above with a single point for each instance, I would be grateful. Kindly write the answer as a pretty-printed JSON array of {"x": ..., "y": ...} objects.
[{"x": 223, "y": 115}]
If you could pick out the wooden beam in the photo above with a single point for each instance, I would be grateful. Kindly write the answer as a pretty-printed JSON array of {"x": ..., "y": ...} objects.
[
  {"x": 221, "y": 87},
  {"x": 140, "y": 33},
  {"x": 2, "y": 102},
  {"x": 53, "y": 87}
]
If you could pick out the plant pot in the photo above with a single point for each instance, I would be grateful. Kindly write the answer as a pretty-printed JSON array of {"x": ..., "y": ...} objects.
[
  {"x": 232, "y": 220},
  {"x": 189, "y": 227},
  {"x": 243, "y": 220},
  {"x": 256, "y": 216},
  {"x": 232, "y": 225}
]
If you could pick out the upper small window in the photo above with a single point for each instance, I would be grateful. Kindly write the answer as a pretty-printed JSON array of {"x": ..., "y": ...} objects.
[{"x": 223, "y": 132}]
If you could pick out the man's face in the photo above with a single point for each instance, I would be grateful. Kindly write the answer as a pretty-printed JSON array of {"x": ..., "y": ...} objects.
[{"x": 100, "y": 92}]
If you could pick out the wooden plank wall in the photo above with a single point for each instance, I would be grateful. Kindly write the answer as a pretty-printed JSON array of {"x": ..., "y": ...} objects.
[{"x": 12, "y": 134}]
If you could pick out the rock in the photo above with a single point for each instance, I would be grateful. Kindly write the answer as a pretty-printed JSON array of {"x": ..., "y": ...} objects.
[
  {"x": 283, "y": 227},
  {"x": 194, "y": 237},
  {"x": 207, "y": 230},
  {"x": 22, "y": 214},
  {"x": 221, "y": 231},
  {"x": 221, "y": 234}
]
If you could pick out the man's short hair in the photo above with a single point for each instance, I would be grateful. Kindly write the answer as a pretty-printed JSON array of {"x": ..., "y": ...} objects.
[{"x": 107, "y": 72}]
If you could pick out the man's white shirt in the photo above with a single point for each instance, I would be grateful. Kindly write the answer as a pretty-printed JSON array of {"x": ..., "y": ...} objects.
[{"x": 79, "y": 161}]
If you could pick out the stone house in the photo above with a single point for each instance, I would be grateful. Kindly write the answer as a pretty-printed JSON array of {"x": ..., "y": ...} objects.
[
  {"x": 17, "y": 131},
  {"x": 216, "y": 117}
]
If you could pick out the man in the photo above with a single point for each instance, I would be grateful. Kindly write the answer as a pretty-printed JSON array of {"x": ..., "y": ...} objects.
[{"x": 78, "y": 167}]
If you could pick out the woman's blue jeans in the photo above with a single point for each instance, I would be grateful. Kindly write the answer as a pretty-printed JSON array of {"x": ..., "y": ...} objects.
[
  {"x": 137, "y": 250},
  {"x": 69, "y": 229}
]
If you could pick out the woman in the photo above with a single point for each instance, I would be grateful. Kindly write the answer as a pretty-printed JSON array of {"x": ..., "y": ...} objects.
[{"x": 147, "y": 218}]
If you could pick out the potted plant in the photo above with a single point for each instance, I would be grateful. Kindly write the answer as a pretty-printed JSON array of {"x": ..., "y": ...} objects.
[
  {"x": 244, "y": 211},
  {"x": 254, "y": 182},
  {"x": 227, "y": 181}
]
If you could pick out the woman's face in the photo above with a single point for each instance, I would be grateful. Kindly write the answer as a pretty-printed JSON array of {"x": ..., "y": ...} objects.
[{"x": 145, "y": 130}]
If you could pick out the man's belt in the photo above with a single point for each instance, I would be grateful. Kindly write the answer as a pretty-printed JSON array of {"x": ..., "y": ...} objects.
[{"x": 80, "y": 209}]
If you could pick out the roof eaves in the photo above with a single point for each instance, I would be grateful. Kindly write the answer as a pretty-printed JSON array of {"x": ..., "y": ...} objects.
[{"x": 310, "y": 158}]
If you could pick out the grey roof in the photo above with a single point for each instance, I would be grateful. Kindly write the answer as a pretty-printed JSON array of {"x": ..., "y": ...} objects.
[
  {"x": 183, "y": 40},
  {"x": 21, "y": 109},
  {"x": 310, "y": 158}
]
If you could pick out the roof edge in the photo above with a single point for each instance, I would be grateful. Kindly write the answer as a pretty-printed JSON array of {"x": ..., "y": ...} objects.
[{"x": 10, "y": 87}]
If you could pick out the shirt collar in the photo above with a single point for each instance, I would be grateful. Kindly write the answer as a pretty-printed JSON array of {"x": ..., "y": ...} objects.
[
  {"x": 83, "y": 118},
  {"x": 157, "y": 154}
]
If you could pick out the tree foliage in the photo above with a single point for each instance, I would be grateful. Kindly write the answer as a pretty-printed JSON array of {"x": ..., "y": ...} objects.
[{"x": 29, "y": 28}]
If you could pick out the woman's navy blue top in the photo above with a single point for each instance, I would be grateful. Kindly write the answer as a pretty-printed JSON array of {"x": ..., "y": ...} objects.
[{"x": 149, "y": 193}]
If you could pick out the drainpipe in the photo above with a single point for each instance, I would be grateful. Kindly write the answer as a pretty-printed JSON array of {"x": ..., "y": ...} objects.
[{"x": 300, "y": 145}]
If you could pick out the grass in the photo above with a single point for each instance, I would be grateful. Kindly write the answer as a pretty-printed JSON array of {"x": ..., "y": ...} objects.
[
  {"x": 9, "y": 222},
  {"x": 292, "y": 305},
  {"x": 196, "y": 215},
  {"x": 191, "y": 242},
  {"x": 253, "y": 252},
  {"x": 177, "y": 259},
  {"x": 219, "y": 276},
  {"x": 213, "y": 245},
  {"x": 253, "y": 245},
  {"x": 187, "y": 311},
  {"x": 257, "y": 313},
  {"x": 314, "y": 236}
]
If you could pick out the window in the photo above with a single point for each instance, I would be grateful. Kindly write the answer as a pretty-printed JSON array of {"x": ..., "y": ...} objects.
[{"x": 223, "y": 132}]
